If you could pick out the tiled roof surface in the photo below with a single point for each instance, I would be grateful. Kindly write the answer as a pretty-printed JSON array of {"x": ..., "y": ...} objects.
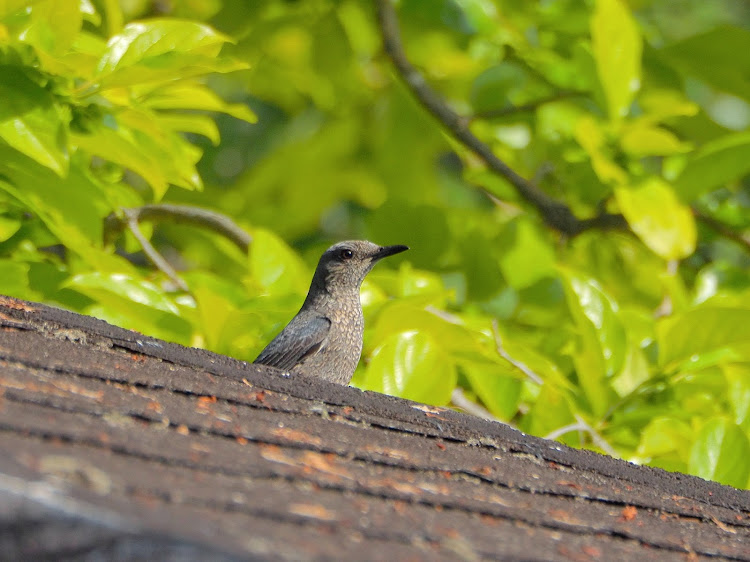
[{"x": 119, "y": 446}]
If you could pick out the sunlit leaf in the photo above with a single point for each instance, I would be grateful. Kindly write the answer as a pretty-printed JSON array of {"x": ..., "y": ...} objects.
[
  {"x": 196, "y": 96},
  {"x": 738, "y": 379},
  {"x": 617, "y": 48},
  {"x": 190, "y": 123},
  {"x": 30, "y": 122},
  {"x": 721, "y": 452},
  {"x": 54, "y": 24},
  {"x": 702, "y": 335},
  {"x": 274, "y": 266},
  {"x": 72, "y": 208},
  {"x": 8, "y": 227},
  {"x": 132, "y": 301},
  {"x": 524, "y": 239},
  {"x": 635, "y": 372},
  {"x": 552, "y": 411},
  {"x": 160, "y": 156},
  {"x": 499, "y": 392},
  {"x": 658, "y": 218},
  {"x": 411, "y": 365},
  {"x": 14, "y": 280},
  {"x": 402, "y": 316},
  {"x": 159, "y": 50},
  {"x": 8, "y": 7},
  {"x": 714, "y": 57},
  {"x": 602, "y": 347},
  {"x": 590, "y": 136},
  {"x": 716, "y": 163},
  {"x": 646, "y": 140},
  {"x": 665, "y": 435},
  {"x": 591, "y": 305}
]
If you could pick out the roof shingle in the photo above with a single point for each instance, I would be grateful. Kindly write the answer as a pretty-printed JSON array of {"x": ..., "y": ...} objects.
[{"x": 117, "y": 445}]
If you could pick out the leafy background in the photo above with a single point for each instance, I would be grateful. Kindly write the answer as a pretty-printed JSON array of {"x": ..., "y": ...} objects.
[{"x": 626, "y": 330}]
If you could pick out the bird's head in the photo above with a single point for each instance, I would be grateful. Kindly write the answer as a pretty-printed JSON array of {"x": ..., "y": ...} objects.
[{"x": 344, "y": 265}]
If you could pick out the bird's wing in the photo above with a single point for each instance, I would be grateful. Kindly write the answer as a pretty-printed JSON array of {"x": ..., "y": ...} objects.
[{"x": 299, "y": 340}]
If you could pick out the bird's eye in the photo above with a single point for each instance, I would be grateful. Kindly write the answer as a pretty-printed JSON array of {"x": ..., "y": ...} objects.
[{"x": 347, "y": 254}]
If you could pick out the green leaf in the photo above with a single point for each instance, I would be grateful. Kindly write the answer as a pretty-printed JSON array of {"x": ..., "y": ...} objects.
[
  {"x": 8, "y": 7},
  {"x": 715, "y": 57},
  {"x": 492, "y": 88},
  {"x": 591, "y": 306},
  {"x": 30, "y": 121},
  {"x": 160, "y": 50},
  {"x": 55, "y": 25},
  {"x": 658, "y": 218},
  {"x": 590, "y": 136},
  {"x": 403, "y": 316},
  {"x": 634, "y": 372},
  {"x": 551, "y": 411},
  {"x": 72, "y": 208},
  {"x": 602, "y": 343},
  {"x": 617, "y": 51},
  {"x": 413, "y": 366},
  {"x": 738, "y": 379},
  {"x": 523, "y": 239},
  {"x": 721, "y": 452},
  {"x": 8, "y": 227},
  {"x": 14, "y": 280},
  {"x": 124, "y": 287},
  {"x": 715, "y": 164},
  {"x": 134, "y": 303},
  {"x": 195, "y": 96},
  {"x": 196, "y": 124},
  {"x": 499, "y": 392},
  {"x": 137, "y": 142},
  {"x": 665, "y": 435},
  {"x": 647, "y": 140},
  {"x": 274, "y": 266},
  {"x": 702, "y": 336}
]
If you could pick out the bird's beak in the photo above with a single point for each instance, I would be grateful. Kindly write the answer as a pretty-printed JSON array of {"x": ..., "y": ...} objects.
[{"x": 386, "y": 251}]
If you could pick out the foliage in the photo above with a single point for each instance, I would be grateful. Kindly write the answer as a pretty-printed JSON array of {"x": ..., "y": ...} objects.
[{"x": 632, "y": 341}]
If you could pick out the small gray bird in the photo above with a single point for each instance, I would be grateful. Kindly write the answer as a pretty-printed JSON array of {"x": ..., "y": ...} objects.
[{"x": 325, "y": 338}]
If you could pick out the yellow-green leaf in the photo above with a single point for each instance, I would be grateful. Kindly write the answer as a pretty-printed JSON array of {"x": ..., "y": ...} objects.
[
  {"x": 412, "y": 365},
  {"x": 590, "y": 136},
  {"x": 196, "y": 96},
  {"x": 160, "y": 50},
  {"x": 617, "y": 51},
  {"x": 648, "y": 140},
  {"x": 30, "y": 122},
  {"x": 55, "y": 25},
  {"x": 658, "y": 218}
]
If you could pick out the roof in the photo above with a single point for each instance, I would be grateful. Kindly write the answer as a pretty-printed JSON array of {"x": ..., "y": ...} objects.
[{"x": 120, "y": 445}]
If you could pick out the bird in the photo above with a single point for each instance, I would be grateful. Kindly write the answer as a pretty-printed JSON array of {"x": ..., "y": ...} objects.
[{"x": 324, "y": 339}]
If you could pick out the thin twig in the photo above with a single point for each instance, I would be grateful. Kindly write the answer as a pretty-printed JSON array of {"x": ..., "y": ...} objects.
[
  {"x": 581, "y": 425},
  {"x": 156, "y": 258},
  {"x": 504, "y": 354},
  {"x": 722, "y": 229},
  {"x": 184, "y": 214},
  {"x": 526, "y": 107},
  {"x": 555, "y": 213},
  {"x": 458, "y": 398}
]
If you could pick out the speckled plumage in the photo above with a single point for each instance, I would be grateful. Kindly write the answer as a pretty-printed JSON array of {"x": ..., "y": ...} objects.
[{"x": 324, "y": 339}]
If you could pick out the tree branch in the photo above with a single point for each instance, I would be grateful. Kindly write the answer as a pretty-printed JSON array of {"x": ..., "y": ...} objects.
[
  {"x": 555, "y": 213},
  {"x": 182, "y": 214},
  {"x": 581, "y": 425},
  {"x": 722, "y": 229},
  {"x": 156, "y": 258}
]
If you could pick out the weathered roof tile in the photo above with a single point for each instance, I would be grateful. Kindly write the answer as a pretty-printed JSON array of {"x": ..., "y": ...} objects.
[{"x": 117, "y": 444}]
